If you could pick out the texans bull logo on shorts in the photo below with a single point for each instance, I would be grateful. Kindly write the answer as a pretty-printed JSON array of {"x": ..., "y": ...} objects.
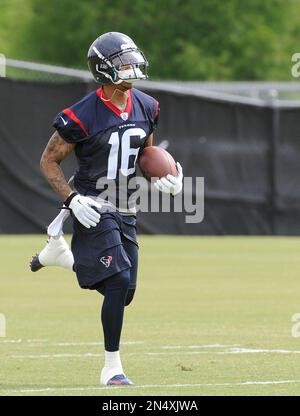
[{"x": 106, "y": 260}]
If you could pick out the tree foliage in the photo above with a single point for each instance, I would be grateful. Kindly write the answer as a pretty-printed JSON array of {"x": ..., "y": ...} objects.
[{"x": 183, "y": 39}]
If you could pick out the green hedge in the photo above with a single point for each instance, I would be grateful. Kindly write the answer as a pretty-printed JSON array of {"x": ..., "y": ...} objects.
[{"x": 183, "y": 39}]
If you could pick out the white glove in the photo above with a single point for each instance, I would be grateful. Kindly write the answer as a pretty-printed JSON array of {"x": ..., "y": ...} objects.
[
  {"x": 171, "y": 184},
  {"x": 81, "y": 207}
]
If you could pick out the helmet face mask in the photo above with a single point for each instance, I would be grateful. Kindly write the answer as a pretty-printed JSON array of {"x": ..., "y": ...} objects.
[
  {"x": 130, "y": 65},
  {"x": 114, "y": 58}
]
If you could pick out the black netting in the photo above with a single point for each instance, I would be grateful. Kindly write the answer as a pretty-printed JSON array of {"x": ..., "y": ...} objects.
[{"x": 249, "y": 157}]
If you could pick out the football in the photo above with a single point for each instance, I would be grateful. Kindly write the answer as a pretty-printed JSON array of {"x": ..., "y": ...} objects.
[{"x": 156, "y": 162}]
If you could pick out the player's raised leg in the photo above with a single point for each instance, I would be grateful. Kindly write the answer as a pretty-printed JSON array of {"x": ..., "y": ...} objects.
[{"x": 55, "y": 253}]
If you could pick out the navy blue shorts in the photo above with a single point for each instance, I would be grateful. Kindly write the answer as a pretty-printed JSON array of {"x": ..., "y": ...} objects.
[{"x": 102, "y": 251}]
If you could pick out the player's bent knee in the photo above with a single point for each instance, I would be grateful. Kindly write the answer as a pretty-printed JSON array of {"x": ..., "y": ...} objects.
[
  {"x": 129, "y": 297},
  {"x": 118, "y": 282},
  {"x": 101, "y": 289},
  {"x": 124, "y": 279}
]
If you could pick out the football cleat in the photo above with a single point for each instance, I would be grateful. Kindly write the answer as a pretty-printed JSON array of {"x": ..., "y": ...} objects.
[
  {"x": 55, "y": 253},
  {"x": 119, "y": 380},
  {"x": 35, "y": 264}
]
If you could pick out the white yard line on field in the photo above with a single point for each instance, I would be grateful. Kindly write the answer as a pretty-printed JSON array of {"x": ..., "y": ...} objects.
[
  {"x": 71, "y": 344},
  {"x": 174, "y": 347},
  {"x": 62, "y": 344},
  {"x": 160, "y": 386},
  {"x": 229, "y": 351},
  {"x": 68, "y": 355},
  {"x": 36, "y": 356},
  {"x": 257, "y": 350},
  {"x": 96, "y": 343},
  {"x": 20, "y": 340}
]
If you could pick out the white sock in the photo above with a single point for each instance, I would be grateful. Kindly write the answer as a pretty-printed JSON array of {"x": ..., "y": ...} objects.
[
  {"x": 57, "y": 253},
  {"x": 112, "y": 366},
  {"x": 56, "y": 226}
]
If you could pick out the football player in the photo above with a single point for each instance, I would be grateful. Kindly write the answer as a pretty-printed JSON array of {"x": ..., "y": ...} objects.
[{"x": 106, "y": 129}]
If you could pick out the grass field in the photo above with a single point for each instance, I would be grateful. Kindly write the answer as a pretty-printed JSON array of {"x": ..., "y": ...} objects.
[{"x": 212, "y": 316}]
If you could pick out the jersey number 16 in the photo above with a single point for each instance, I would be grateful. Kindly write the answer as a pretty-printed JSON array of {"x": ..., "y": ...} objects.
[{"x": 123, "y": 143}]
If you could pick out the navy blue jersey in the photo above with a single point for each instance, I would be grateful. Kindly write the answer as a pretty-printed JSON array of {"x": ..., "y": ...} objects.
[{"x": 108, "y": 140}]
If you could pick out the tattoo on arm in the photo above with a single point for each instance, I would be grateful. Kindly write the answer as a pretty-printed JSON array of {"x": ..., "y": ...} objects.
[{"x": 55, "y": 152}]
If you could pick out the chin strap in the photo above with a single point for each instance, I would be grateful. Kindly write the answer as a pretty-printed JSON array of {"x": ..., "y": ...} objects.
[{"x": 109, "y": 99}]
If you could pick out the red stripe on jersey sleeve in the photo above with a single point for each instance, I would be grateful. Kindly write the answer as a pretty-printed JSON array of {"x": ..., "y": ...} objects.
[{"x": 73, "y": 116}]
